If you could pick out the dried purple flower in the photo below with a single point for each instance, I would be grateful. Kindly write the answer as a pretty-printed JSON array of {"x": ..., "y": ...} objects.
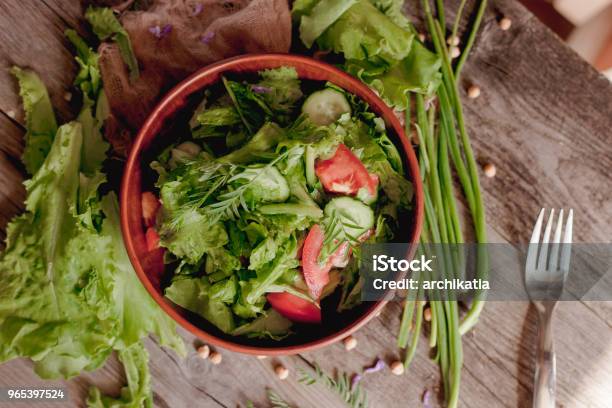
[
  {"x": 160, "y": 32},
  {"x": 198, "y": 9},
  {"x": 207, "y": 38},
  {"x": 426, "y": 399},
  {"x": 261, "y": 89},
  {"x": 155, "y": 30},
  {"x": 380, "y": 364},
  {"x": 355, "y": 380}
]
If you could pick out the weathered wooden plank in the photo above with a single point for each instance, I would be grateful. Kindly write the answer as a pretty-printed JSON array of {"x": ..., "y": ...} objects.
[
  {"x": 544, "y": 120},
  {"x": 12, "y": 192},
  {"x": 33, "y": 37},
  {"x": 71, "y": 14},
  {"x": 11, "y": 140}
]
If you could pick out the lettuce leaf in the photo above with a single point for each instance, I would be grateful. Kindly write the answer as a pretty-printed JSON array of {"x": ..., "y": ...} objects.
[
  {"x": 88, "y": 78},
  {"x": 394, "y": 10},
  {"x": 137, "y": 393},
  {"x": 419, "y": 72},
  {"x": 265, "y": 139},
  {"x": 302, "y": 7},
  {"x": 188, "y": 233},
  {"x": 316, "y": 18},
  {"x": 194, "y": 294},
  {"x": 280, "y": 88},
  {"x": 93, "y": 113},
  {"x": 269, "y": 273},
  {"x": 215, "y": 121},
  {"x": 106, "y": 26},
  {"x": 40, "y": 119},
  {"x": 378, "y": 44},
  {"x": 69, "y": 295},
  {"x": 364, "y": 33},
  {"x": 269, "y": 325},
  {"x": 138, "y": 313}
]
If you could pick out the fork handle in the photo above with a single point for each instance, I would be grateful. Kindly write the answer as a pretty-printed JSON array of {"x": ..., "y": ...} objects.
[{"x": 545, "y": 372}]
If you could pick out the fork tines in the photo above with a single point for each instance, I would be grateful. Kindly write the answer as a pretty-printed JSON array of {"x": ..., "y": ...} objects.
[{"x": 538, "y": 258}]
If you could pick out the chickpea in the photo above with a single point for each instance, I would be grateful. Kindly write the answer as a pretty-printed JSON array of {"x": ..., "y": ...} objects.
[{"x": 349, "y": 343}]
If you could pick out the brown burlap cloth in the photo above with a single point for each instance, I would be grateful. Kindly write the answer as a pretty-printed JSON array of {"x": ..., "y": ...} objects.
[{"x": 174, "y": 38}]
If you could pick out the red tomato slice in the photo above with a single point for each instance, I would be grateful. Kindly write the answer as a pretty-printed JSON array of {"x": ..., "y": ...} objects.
[
  {"x": 153, "y": 259},
  {"x": 341, "y": 257},
  {"x": 152, "y": 238},
  {"x": 294, "y": 308},
  {"x": 315, "y": 274},
  {"x": 150, "y": 206},
  {"x": 344, "y": 173},
  {"x": 366, "y": 235}
]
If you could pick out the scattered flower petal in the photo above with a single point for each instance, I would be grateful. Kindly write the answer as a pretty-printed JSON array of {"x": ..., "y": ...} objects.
[
  {"x": 426, "y": 399},
  {"x": 155, "y": 30},
  {"x": 198, "y": 9},
  {"x": 380, "y": 364},
  {"x": 207, "y": 38},
  {"x": 167, "y": 29},
  {"x": 160, "y": 32},
  {"x": 355, "y": 380},
  {"x": 260, "y": 89}
]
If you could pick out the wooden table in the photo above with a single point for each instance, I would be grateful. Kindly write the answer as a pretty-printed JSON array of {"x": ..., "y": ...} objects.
[{"x": 544, "y": 119}]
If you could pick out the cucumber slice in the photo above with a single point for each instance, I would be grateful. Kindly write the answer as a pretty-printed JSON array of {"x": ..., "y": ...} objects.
[
  {"x": 293, "y": 209},
  {"x": 355, "y": 215},
  {"x": 309, "y": 159},
  {"x": 326, "y": 106},
  {"x": 183, "y": 152}
]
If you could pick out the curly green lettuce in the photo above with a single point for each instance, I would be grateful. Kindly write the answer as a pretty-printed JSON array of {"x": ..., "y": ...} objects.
[
  {"x": 68, "y": 294},
  {"x": 377, "y": 42},
  {"x": 40, "y": 119},
  {"x": 106, "y": 26}
]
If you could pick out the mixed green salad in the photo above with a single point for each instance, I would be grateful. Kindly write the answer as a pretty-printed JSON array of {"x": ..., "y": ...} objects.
[{"x": 261, "y": 209}]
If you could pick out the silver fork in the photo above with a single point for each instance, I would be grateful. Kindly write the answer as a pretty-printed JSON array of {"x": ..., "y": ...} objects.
[{"x": 545, "y": 274}]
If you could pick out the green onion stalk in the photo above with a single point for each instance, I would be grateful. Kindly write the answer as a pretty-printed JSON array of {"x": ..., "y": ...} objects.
[{"x": 442, "y": 135}]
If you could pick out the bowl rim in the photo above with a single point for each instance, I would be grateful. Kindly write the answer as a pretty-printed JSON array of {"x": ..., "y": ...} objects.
[{"x": 189, "y": 86}]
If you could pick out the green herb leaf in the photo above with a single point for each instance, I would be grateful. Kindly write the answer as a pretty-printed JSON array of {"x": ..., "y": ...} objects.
[
  {"x": 280, "y": 89},
  {"x": 364, "y": 33},
  {"x": 270, "y": 325},
  {"x": 41, "y": 125},
  {"x": 137, "y": 393},
  {"x": 194, "y": 294},
  {"x": 69, "y": 295},
  {"x": 105, "y": 25},
  {"x": 354, "y": 397},
  {"x": 317, "y": 18}
]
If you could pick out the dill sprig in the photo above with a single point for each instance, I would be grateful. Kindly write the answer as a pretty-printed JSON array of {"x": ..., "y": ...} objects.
[
  {"x": 339, "y": 229},
  {"x": 213, "y": 176},
  {"x": 353, "y": 396},
  {"x": 276, "y": 401},
  {"x": 231, "y": 201}
]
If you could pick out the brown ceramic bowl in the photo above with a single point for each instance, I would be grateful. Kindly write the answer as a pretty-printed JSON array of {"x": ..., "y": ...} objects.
[{"x": 157, "y": 133}]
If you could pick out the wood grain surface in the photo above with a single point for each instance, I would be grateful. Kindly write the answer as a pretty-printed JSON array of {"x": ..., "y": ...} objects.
[{"x": 544, "y": 119}]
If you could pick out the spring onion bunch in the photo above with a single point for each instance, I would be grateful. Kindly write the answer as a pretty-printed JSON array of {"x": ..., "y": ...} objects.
[{"x": 444, "y": 147}]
